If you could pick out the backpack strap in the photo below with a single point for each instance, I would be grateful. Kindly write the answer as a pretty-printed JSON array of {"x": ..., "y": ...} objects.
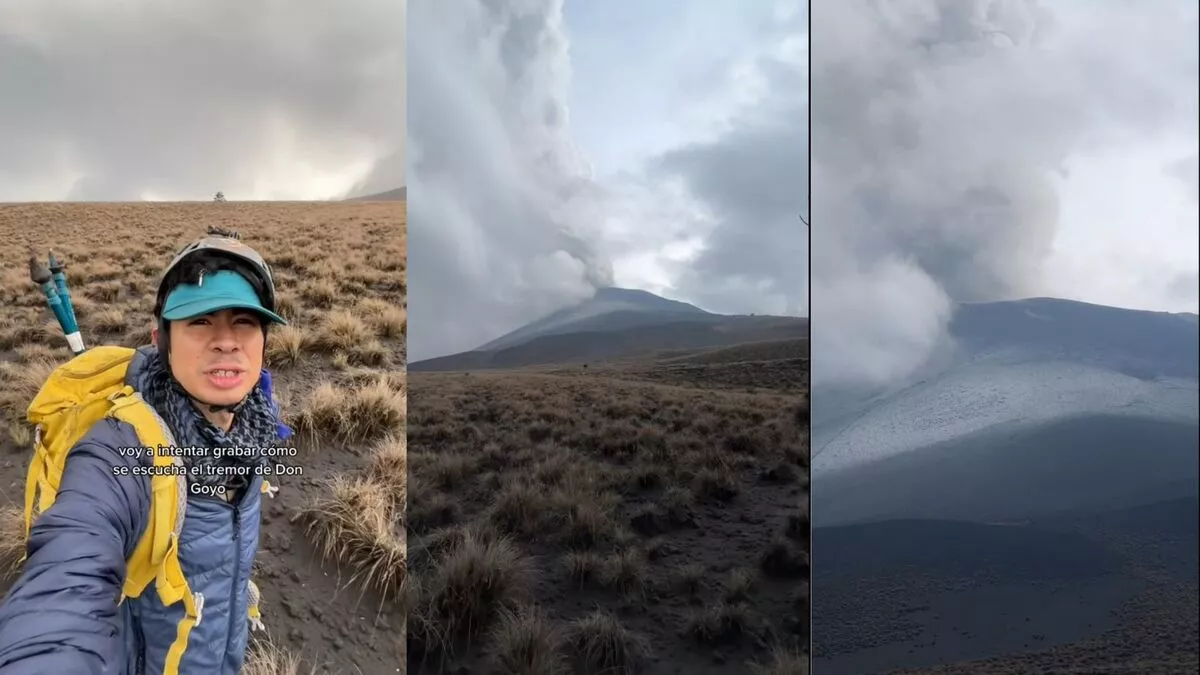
[
  {"x": 166, "y": 512},
  {"x": 34, "y": 478},
  {"x": 40, "y": 489}
]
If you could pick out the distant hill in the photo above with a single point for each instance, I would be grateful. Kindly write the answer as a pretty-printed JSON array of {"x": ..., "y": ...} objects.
[
  {"x": 398, "y": 195},
  {"x": 617, "y": 323}
]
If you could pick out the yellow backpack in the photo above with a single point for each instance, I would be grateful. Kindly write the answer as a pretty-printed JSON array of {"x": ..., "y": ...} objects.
[{"x": 77, "y": 395}]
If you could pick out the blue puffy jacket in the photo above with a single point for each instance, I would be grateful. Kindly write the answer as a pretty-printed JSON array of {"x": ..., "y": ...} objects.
[{"x": 62, "y": 614}]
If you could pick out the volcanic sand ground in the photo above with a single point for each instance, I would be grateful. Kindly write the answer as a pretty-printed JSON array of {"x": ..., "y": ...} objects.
[
  {"x": 1114, "y": 592},
  {"x": 1155, "y": 630},
  {"x": 642, "y": 517},
  {"x": 332, "y": 553}
]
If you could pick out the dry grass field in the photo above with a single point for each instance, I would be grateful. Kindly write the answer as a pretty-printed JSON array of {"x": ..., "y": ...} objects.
[
  {"x": 619, "y": 519},
  {"x": 332, "y": 554}
]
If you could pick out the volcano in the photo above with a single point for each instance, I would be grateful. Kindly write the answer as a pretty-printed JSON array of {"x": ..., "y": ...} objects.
[{"x": 617, "y": 323}]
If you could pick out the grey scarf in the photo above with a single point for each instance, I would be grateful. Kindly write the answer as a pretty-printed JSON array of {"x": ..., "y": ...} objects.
[{"x": 254, "y": 426}]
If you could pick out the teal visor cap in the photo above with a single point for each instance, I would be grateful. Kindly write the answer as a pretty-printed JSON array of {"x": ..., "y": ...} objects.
[{"x": 225, "y": 289}]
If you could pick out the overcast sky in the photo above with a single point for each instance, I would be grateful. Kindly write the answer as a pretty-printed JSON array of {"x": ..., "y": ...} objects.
[
  {"x": 553, "y": 150},
  {"x": 167, "y": 99},
  {"x": 986, "y": 150}
]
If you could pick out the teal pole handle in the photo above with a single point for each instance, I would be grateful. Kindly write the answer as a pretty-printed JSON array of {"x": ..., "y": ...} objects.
[
  {"x": 60, "y": 282},
  {"x": 44, "y": 278}
]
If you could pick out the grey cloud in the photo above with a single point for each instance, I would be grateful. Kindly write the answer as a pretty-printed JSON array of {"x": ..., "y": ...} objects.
[
  {"x": 388, "y": 174},
  {"x": 934, "y": 146},
  {"x": 504, "y": 219},
  {"x": 743, "y": 190},
  {"x": 1187, "y": 170},
  {"x": 755, "y": 183},
  {"x": 1185, "y": 288},
  {"x": 754, "y": 180},
  {"x": 108, "y": 101}
]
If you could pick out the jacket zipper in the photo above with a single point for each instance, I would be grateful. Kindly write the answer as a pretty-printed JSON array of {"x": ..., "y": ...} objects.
[
  {"x": 237, "y": 570},
  {"x": 237, "y": 567},
  {"x": 140, "y": 641}
]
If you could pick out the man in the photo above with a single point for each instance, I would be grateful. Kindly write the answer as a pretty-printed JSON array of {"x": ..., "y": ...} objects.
[{"x": 202, "y": 376}]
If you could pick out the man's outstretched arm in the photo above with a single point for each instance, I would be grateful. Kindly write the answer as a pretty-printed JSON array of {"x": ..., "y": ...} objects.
[{"x": 61, "y": 615}]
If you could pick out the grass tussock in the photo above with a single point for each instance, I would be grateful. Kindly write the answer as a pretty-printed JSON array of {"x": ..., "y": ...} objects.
[
  {"x": 288, "y": 305},
  {"x": 739, "y": 584},
  {"x": 388, "y": 464},
  {"x": 286, "y": 346},
  {"x": 264, "y": 658},
  {"x": 12, "y": 539},
  {"x": 21, "y": 434},
  {"x": 583, "y": 567},
  {"x": 723, "y": 623},
  {"x": 21, "y": 383},
  {"x": 625, "y": 571},
  {"x": 108, "y": 320},
  {"x": 356, "y": 524},
  {"x": 602, "y": 645},
  {"x": 477, "y": 580},
  {"x": 526, "y": 642},
  {"x": 782, "y": 662},
  {"x": 690, "y": 578},
  {"x": 35, "y": 353},
  {"x": 785, "y": 559},
  {"x": 343, "y": 329},
  {"x": 359, "y": 414},
  {"x": 428, "y": 512},
  {"x": 322, "y": 293},
  {"x": 386, "y": 319},
  {"x": 370, "y": 352}
]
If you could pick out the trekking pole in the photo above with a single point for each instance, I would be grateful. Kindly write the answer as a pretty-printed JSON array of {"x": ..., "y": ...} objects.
[
  {"x": 44, "y": 278},
  {"x": 60, "y": 282}
]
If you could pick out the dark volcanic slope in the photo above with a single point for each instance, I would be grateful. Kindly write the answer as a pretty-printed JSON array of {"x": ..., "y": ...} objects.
[
  {"x": 585, "y": 346},
  {"x": 1062, "y": 595},
  {"x": 915, "y": 593},
  {"x": 609, "y": 309},
  {"x": 1162, "y": 536},
  {"x": 771, "y": 364},
  {"x": 399, "y": 194},
  {"x": 1092, "y": 463},
  {"x": 957, "y": 549}
]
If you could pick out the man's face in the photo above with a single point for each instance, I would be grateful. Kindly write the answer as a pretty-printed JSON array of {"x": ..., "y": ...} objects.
[{"x": 218, "y": 357}]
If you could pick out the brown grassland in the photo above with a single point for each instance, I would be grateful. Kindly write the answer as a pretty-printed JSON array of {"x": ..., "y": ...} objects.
[
  {"x": 332, "y": 554},
  {"x": 643, "y": 517}
]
